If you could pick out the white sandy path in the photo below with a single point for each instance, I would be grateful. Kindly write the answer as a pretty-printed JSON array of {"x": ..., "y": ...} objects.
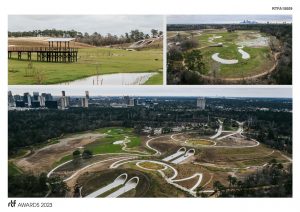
[
  {"x": 187, "y": 155},
  {"x": 245, "y": 55},
  {"x": 131, "y": 184},
  {"x": 179, "y": 152},
  {"x": 120, "y": 180},
  {"x": 169, "y": 180},
  {"x": 219, "y": 130},
  {"x": 216, "y": 57}
]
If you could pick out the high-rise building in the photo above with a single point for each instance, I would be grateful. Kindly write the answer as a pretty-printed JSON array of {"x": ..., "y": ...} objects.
[
  {"x": 84, "y": 102},
  {"x": 131, "y": 102},
  {"x": 27, "y": 99},
  {"x": 35, "y": 96},
  {"x": 64, "y": 101},
  {"x": 47, "y": 96},
  {"x": 42, "y": 101},
  {"x": 201, "y": 103},
  {"x": 11, "y": 100},
  {"x": 126, "y": 100}
]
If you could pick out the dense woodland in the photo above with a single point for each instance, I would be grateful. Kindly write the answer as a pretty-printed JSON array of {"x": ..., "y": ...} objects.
[
  {"x": 271, "y": 181},
  {"x": 178, "y": 74},
  {"x": 95, "y": 39},
  {"x": 27, "y": 128},
  {"x": 29, "y": 185}
]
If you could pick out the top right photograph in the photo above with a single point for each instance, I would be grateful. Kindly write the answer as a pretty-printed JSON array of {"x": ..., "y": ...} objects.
[{"x": 229, "y": 49}]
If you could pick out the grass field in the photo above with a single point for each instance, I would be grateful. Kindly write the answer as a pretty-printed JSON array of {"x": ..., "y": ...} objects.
[
  {"x": 200, "y": 142},
  {"x": 261, "y": 58},
  {"x": 150, "y": 165},
  {"x": 105, "y": 145},
  {"x": 91, "y": 61},
  {"x": 155, "y": 80}
]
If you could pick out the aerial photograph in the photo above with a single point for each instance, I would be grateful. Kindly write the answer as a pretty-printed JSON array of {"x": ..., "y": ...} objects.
[
  {"x": 229, "y": 49},
  {"x": 185, "y": 142},
  {"x": 85, "y": 50}
]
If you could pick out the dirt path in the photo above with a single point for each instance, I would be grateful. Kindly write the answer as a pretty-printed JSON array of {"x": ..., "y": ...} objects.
[
  {"x": 43, "y": 158},
  {"x": 276, "y": 55}
]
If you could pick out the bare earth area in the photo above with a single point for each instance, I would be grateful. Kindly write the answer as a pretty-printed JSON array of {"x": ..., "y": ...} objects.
[{"x": 43, "y": 158}]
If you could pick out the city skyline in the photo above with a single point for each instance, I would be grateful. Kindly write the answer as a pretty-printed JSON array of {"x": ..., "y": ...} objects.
[
  {"x": 225, "y": 19},
  {"x": 158, "y": 91}
]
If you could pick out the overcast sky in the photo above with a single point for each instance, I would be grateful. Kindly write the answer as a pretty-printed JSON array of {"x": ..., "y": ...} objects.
[
  {"x": 157, "y": 91},
  {"x": 223, "y": 19},
  {"x": 103, "y": 24}
]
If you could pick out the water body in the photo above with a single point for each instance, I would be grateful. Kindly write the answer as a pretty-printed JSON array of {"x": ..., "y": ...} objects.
[
  {"x": 223, "y": 61},
  {"x": 113, "y": 79}
]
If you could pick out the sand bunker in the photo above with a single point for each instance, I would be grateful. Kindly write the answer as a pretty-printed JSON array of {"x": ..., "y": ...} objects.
[
  {"x": 257, "y": 42},
  {"x": 211, "y": 39},
  {"x": 245, "y": 55},
  {"x": 223, "y": 61}
]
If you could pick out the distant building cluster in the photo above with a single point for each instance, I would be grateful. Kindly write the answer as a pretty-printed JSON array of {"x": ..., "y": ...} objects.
[
  {"x": 43, "y": 100},
  {"x": 127, "y": 102}
]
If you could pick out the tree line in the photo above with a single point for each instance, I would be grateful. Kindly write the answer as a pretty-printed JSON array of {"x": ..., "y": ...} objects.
[
  {"x": 271, "y": 181},
  {"x": 27, "y": 128},
  {"x": 95, "y": 39}
]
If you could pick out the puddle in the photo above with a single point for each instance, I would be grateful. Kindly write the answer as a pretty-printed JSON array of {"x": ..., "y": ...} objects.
[{"x": 113, "y": 79}]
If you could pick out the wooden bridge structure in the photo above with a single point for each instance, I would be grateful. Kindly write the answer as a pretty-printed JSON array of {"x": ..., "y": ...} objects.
[{"x": 58, "y": 51}]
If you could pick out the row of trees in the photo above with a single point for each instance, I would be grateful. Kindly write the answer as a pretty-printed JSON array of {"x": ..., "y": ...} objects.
[{"x": 95, "y": 39}]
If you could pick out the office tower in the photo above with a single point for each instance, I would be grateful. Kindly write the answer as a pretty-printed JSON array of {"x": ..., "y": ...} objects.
[
  {"x": 11, "y": 100},
  {"x": 27, "y": 99},
  {"x": 201, "y": 103}
]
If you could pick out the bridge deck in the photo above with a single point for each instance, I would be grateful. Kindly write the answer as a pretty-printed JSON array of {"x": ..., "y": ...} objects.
[{"x": 45, "y": 54}]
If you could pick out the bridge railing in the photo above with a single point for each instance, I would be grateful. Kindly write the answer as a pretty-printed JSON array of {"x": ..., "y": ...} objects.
[{"x": 41, "y": 49}]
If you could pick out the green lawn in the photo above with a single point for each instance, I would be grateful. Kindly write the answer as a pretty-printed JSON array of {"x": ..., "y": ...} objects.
[
  {"x": 105, "y": 145},
  {"x": 92, "y": 61},
  {"x": 261, "y": 58},
  {"x": 157, "y": 79}
]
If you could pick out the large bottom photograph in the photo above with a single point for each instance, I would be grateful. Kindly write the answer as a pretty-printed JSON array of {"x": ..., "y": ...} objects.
[{"x": 187, "y": 142}]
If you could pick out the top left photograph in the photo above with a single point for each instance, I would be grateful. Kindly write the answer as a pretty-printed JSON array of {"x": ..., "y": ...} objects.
[{"x": 95, "y": 50}]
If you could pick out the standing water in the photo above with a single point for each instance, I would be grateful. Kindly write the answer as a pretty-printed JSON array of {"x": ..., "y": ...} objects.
[{"x": 113, "y": 79}]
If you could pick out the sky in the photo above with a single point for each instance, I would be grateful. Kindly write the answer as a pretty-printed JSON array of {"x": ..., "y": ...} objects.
[
  {"x": 156, "y": 91},
  {"x": 223, "y": 19},
  {"x": 103, "y": 24}
]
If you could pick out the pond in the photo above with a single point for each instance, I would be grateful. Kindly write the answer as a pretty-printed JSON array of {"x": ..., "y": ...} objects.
[{"x": 113, "y": 79}]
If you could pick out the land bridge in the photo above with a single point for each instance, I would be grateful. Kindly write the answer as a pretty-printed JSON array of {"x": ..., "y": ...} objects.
[{"x": 58, "y": 51}]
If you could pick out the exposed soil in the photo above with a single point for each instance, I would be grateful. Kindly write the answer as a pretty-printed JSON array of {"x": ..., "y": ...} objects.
[
  {"x": 39, "y": 42},
  {"x": 42, "y": 159}
]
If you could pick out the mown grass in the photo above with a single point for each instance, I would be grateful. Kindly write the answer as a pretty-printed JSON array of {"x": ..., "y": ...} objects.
[
  {"x": 106, "y": 144},
  {"x": 261, "y": 58},
  {"x": 92, "y": 61},
  {"x": 157, "y": 79}
]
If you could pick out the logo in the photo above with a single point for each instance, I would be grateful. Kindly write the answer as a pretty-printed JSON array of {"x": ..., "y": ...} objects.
[{"x": 12, "y": 203}]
